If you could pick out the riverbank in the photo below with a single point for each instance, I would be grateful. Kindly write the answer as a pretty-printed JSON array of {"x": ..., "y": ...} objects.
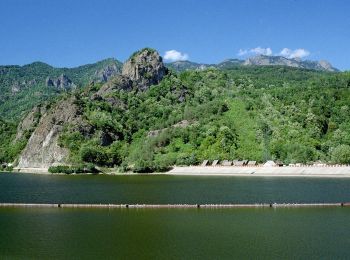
[
  {"x": 304, "y": 171},
  {"x": 312, "y": 171}
]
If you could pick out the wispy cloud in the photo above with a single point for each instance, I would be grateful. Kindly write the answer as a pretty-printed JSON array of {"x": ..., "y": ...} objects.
[
  {"x": 285, "y": 52},
  {"x": 297, "y": 53},
  {"x": 174, "y": 55},
  {"x": 242, "y": 52},
  {"x": 261, "y": 51},
  {"x": 256, "y": 51}
]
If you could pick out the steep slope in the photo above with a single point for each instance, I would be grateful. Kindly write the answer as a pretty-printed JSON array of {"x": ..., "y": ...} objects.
[
  {"x": 148, "y": 119},
  {"x": 43, "y": 150},
  {"x": 23, "y": 87}
]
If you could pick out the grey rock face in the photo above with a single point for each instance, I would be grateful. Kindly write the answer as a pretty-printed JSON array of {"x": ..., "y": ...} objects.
[
  {"x": 145, "y": 68},
  {"x": 326, "y": 65},
  {"x": 106, "y": 73},
  {"x": 117, "y": 83},
  {"x": 29, "y": 122},
  {"x": 17, "y": 86},
  {"x": 42, "y": 149},
  {"x": 61, "y": 83},
  {"x": 262, "y": 60}
]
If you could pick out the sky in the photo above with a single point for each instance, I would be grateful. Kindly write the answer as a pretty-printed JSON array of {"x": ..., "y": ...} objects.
[{"x": 68, "y": 33}]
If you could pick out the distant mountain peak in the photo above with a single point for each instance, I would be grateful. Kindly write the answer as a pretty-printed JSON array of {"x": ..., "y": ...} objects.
[
  {"x": 258, "y": 60},
  {"x": 264, "y": 60}
]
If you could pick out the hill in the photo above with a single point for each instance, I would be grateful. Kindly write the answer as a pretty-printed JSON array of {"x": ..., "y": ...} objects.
[
  {"x": 22, "y": 87},
  {"x": 149, "y": 118}
]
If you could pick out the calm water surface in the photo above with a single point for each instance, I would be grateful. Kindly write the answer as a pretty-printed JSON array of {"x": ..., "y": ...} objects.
[
  {"x": 54, "y": 233},
  {"x": 321, "y": 233},
  {"x": 170, "y": 189}
]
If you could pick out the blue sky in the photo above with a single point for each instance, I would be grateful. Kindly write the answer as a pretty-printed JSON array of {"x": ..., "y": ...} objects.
[{"x": 74, "y": 32}]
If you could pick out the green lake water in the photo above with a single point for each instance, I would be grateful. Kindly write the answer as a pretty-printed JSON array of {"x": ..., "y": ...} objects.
[{"x": 265, "y": 233}]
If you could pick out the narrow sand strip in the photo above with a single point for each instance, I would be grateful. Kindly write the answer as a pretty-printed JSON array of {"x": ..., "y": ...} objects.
[{"x": 333, "y": 172}]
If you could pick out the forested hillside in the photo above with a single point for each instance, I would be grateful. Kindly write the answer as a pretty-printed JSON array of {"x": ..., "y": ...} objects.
[
  {"x": 255, "y": 113},
  {"x": 23, "y": 87}
]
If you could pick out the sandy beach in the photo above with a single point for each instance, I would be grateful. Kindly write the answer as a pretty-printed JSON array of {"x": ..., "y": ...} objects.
[
  {"x": 287, "y": 171},
  {"x": 312, "y": 171}
]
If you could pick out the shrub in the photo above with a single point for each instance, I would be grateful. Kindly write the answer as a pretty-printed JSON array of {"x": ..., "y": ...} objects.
[
  {"x": 93, "y": 155},
  {"x": 341, "y": 154},
  {"x": 84, "y": 168}
]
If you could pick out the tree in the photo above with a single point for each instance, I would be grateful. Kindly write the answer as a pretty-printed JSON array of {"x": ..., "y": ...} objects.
[{"x": 341, "y": 154}]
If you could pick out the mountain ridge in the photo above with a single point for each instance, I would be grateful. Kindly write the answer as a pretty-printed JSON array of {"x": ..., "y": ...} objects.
[
  {"x": 258, "y": 60},
  {"x": 21, "y": 87},
  {"x": 252, "y": 112}
]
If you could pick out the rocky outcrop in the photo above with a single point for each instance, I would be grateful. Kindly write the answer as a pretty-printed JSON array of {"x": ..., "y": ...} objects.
[
  {"x": 115, "y": 84},
  {"x": 144, "y": 68},
  {"x": 17, "y": 86},
  {"x": 263, "y": 60},
  {"x": 61, "y": 83},
  {"x": 28, "y": 124},
  {"x": 42, "y": 149},
  {"x": 107, "y": 73}
]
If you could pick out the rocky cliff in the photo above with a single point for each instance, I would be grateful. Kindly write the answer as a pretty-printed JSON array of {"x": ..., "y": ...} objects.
[
  {"x": 42, "y": 149},
  {"x": 62, "y": 82},
  {"x": 142, "y": 70}
]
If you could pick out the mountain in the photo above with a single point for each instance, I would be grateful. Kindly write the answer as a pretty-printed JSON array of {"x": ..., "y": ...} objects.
[
  {"x": 149, "y": 118},
  {"x": 143, "y": 69},
  {"x": 22, "y": 87},
  {"x": 229, "y": 64},
  {"x": 263, "y": 60},
  {"x": 259, "y": 60},
  {"x": 180, "y": 66}
]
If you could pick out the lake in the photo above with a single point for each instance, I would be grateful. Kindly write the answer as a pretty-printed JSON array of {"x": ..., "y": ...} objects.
[{"x": 282, "y": 233}]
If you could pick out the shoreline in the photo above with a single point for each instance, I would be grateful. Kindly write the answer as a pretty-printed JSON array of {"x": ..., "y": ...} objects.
[{"x": 287, "y": 171}]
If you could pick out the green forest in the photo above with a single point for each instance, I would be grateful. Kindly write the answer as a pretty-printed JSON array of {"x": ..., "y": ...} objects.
[{"x": 254, "y": 113}]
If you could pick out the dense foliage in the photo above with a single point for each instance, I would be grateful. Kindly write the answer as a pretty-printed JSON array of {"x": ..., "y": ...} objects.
[
  {"x": 22, "y": 87},
  {"x": 254, "y": 113},
  {"x": 8, "y": 149},
  {"x": 84, "y": 168}
]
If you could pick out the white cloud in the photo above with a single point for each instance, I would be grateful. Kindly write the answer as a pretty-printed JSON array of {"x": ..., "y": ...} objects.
[
  {"x": 242, "y": 52},
  {"x": 255, "y": 51},
  {"x": 261, "y": 51},
  {"x": 297, "y": 53},
  {"x": 174, "y": 55},
  {"x": 285, "y": 52}
]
